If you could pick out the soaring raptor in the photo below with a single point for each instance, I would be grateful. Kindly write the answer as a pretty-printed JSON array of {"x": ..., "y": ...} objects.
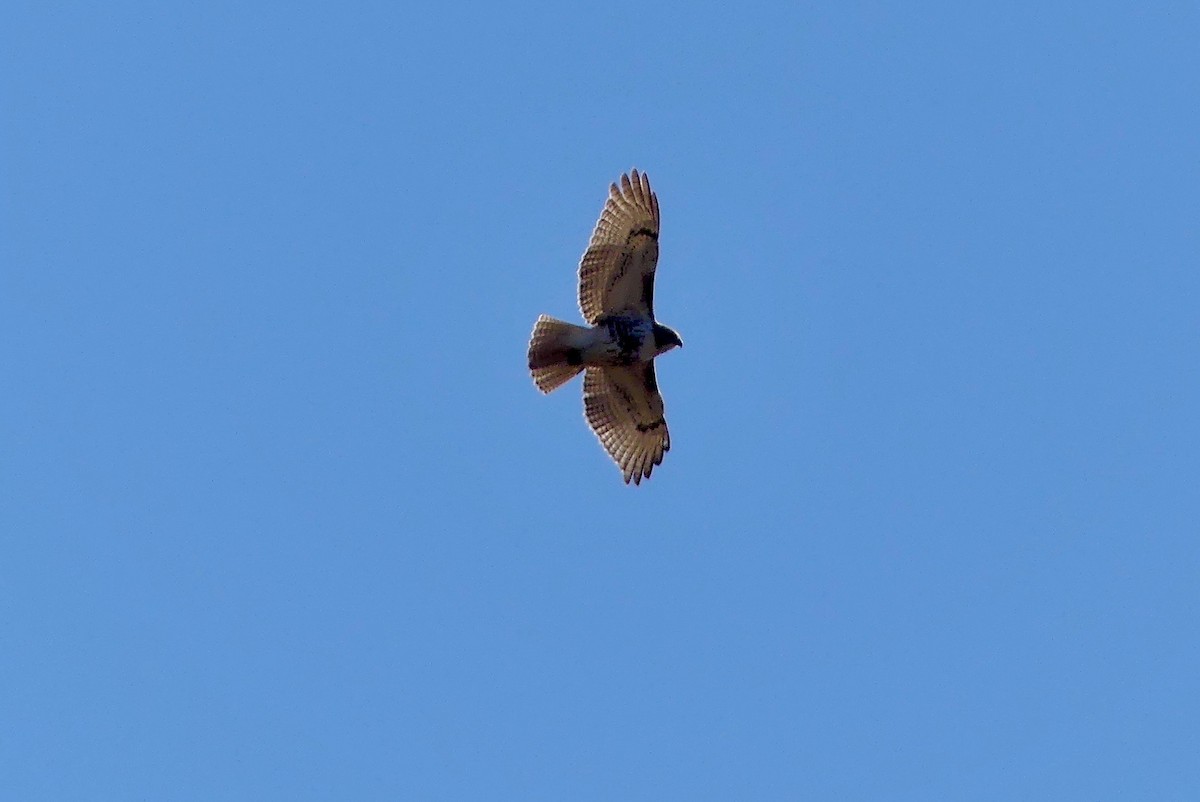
[{"x": 616, "y": 295}]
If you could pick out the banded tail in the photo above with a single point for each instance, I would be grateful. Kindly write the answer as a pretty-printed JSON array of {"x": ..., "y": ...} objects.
[{"x": 555, "y": 352}]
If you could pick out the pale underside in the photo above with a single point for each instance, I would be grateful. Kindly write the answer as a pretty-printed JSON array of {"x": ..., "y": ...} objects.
[
  {"x": 616, "y": 276},
  {"x": 616, "y": 273},
  {"x": 625, "y": 410}
]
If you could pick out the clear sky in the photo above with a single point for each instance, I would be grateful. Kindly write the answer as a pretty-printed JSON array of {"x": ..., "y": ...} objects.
[{"x": 283, "y": 516}]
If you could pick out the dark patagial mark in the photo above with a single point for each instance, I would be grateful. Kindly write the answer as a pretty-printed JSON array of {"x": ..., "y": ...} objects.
[{"x": 649, "y": 380}]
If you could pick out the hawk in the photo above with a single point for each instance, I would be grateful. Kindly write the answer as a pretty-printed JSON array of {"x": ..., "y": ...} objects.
[{"x": 616, "y": 295}]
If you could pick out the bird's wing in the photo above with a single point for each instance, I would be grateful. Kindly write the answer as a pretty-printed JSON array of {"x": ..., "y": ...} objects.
[
  {"x": 616, "y": 273},
  {"x": 625, "y": 410}
]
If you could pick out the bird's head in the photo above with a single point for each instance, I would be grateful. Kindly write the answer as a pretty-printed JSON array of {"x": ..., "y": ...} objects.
[{"x": 665, "y": 339}]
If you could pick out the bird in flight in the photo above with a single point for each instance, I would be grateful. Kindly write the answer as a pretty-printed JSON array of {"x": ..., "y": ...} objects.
[{"x": 616, "y": 295}]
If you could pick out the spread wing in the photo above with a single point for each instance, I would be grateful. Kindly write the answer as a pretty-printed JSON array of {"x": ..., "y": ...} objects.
[
  {"x": 616, "y": 273},
  {"x": 625, "y": 410}
]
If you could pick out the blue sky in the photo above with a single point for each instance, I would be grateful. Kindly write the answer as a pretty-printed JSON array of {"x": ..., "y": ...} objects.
[{"x": 283, "y": 516}]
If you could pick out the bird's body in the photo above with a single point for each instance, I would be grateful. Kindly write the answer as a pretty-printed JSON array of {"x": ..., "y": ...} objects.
[{"x": 616, "y": 295}]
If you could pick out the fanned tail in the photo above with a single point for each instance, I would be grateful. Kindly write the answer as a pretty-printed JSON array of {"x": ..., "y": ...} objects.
[{"x": 555, "y": 352}]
